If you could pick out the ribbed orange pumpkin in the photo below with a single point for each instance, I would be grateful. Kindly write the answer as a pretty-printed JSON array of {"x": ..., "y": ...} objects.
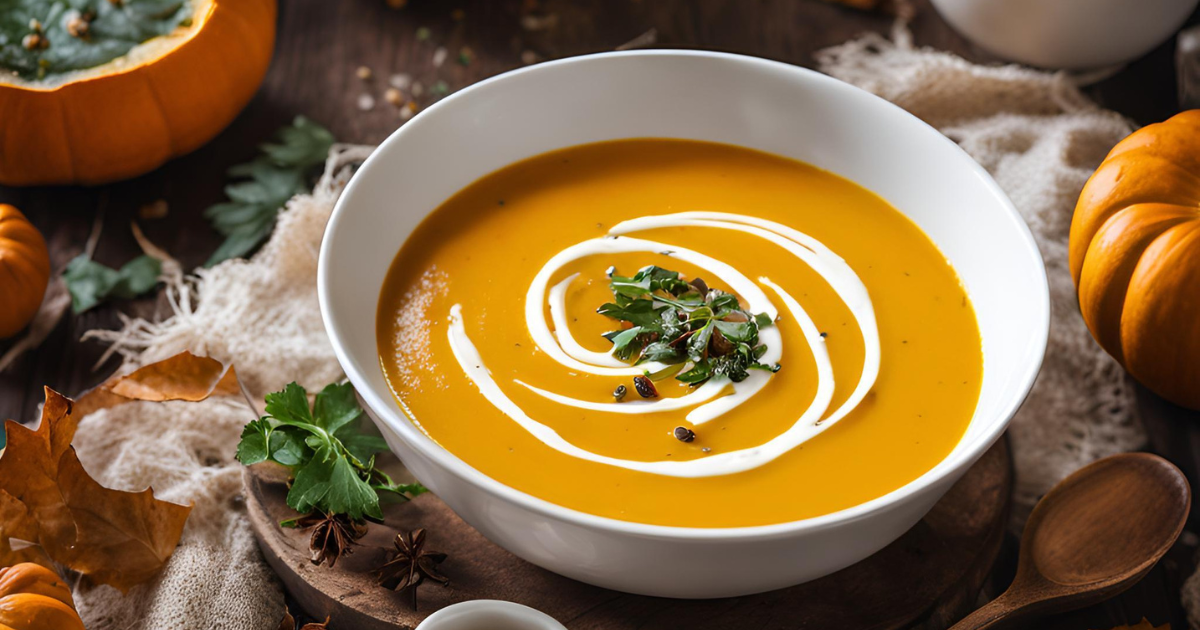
[
  {"x": 1135, "y": 256},
  {"x": 33, "y": 597},
  {"x": 128, "y": 116},
  {"x": 24, "y": 270}
]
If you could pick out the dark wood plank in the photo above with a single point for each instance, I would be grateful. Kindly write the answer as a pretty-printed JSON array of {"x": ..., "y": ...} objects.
[{"x": 321, "y": 43}]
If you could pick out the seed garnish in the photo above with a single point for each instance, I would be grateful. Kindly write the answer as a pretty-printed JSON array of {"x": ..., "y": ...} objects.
[{"x": 645, "y": 387}]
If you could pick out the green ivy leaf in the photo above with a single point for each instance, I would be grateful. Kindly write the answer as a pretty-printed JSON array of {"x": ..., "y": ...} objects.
[{"x": 91, "y": 283}]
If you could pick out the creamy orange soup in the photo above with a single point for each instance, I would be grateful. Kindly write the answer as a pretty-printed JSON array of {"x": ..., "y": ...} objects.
[{"x": 490, "y": 339}]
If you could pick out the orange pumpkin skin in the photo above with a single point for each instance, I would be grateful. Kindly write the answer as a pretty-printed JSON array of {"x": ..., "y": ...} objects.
[
  {"x": 1135, "y": 256},
  {"x": 33, "y": 597},
  {"x": 120, "y": 124},
  {"x": 24, "y": 270}
]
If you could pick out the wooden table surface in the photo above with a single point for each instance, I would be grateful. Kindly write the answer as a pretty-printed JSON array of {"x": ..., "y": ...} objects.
[{"x": 321, "y": 43}]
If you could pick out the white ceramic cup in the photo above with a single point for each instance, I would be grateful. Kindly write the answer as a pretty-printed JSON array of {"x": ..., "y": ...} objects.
[
  {"x": 489, "y": 614},
  {"x": 751, "y": 102},
  {"x": 1067, "y": 34}
]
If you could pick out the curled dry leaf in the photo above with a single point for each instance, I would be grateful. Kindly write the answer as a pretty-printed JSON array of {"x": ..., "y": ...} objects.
[
  {"x": 185, "y": 377},
  {"x": 47, "y": 498},
  {"x": 289, "y": 623}
]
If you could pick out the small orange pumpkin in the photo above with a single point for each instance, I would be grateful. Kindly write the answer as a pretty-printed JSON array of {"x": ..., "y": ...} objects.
[
  {"x": 166, "y": 97},
  {"x": 33, "y": 597},
  {"x": 1135, "y": 256},
  {"x": 24, "y": 270}
]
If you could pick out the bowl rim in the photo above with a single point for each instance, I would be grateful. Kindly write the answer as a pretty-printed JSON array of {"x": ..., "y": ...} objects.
[{"x": 962, "y": 456}]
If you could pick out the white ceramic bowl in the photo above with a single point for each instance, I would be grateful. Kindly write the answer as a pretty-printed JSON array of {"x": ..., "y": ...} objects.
[
  {"x": 746, "y": 101},
  {"x": 1070, "y": 34}
]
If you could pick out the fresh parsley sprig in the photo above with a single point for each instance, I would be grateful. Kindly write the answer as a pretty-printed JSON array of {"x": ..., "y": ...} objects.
[
  {"x": 331, "y": 460},
  {"x": 704, "y": 331},
  {"x": 247, "y": 219}
]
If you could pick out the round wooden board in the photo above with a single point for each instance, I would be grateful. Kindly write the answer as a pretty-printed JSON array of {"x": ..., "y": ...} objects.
[{"x": 928, "y": 578}]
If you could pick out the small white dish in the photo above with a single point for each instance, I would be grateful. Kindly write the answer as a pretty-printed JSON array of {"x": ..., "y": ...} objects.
[
  {"x": 755, "y": 103},
  {"x": 1067, "y": 34},
  {"x": 489, "y": 614}
]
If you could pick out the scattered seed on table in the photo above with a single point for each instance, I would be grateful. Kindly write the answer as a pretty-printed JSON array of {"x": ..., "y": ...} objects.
[
  {"x": 366, "y": 102},
  {"x": 393, "y": 96},
  {"x": 400, "y": 81},
  {"x": 439, "y": 56},
  {"x": 406, "y": 112},
  {"x": 363, "y": 73}
]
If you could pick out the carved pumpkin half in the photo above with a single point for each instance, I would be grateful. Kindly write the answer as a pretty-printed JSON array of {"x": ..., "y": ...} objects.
[
  {"x": 114, "y": 91},
  {"x": 24, "y": 270},
  {"x": 1135, "y": 256},
  {"x": 33, "y": 597}
]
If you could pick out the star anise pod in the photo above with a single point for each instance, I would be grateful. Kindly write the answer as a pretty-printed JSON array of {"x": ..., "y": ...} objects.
[
  {"x": 410, "y": 565},
  {"x": 332, "y": 536}
]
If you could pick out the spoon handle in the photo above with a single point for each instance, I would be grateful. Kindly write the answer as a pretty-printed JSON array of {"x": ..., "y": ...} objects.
[{"x": 991, "y": 615}]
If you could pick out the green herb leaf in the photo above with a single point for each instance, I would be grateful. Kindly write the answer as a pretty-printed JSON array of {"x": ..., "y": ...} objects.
[
  {"x": 273, "y": 178},
  {"x": 697, "y": 346},
  {"x": 675, "y": 322},
  {"x": 742, "y": 332},
  {"x": 331, "y": 459},
  {"x": 91, "y": 283},
  {"x": 253, "y": 449},
  {"x": 290, "y": 405},
  {"x": 637, "y": 312}
]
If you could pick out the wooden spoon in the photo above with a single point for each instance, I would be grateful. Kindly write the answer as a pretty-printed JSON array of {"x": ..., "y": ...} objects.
[{"x": 1092, "y": 536}]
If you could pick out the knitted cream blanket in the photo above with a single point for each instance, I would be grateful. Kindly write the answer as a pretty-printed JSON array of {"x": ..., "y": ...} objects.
[{"x": 1037, "y": 135}]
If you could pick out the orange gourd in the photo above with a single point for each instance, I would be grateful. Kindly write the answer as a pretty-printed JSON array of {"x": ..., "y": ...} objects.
[
  {"x": 1135, "y": 256},
  {"x": 33, "y": 597},
  {"x": 130, "y": 115},
  {"x": 24, "y": 270}
]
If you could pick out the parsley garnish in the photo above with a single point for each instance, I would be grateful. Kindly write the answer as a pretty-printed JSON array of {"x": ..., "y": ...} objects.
[
  {"x": 701, "y": 332},
  {"x": 331, "y": 460},
  {"x": 274, "y": 177}
]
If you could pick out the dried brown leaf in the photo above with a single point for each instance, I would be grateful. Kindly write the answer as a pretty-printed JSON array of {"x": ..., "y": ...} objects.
[
  {"x": 47, "y": 498},
  {"x": 288, "y": 622},
  {"x": 184, "y": 376},
  {"x": 115, "y": 537}
]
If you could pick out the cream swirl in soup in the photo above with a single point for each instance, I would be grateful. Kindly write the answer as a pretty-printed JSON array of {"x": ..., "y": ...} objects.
[{"x": 560, "y": 345}]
